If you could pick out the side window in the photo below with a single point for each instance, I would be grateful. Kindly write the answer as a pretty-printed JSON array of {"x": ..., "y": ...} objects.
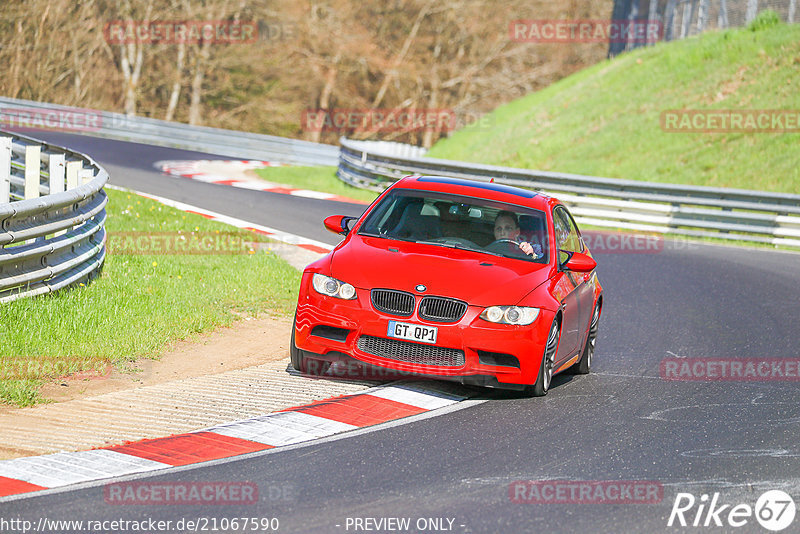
[{"x": 567, "y": 237}]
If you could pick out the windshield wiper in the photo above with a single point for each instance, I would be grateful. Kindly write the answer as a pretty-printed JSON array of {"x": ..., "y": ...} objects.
[
  {"x": 439, "y": 244},
  {"x": 461, "y": 246},
  {"x": 381, "y": 236}
]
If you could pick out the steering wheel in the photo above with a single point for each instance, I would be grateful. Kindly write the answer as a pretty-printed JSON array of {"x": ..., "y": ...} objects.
[{"x": 497, "y": 246}]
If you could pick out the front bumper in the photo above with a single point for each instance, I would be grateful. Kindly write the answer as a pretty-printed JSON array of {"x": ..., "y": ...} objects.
[{"x": 494, "y": 355}]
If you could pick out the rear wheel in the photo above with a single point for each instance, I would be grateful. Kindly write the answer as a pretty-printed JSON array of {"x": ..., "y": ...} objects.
[
  {"x": 545, "y": 377},
  {"x": 584, "y": 365}
]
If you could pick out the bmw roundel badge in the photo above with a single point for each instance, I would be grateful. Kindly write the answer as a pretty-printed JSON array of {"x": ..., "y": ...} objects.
[{"x": 421, "y": 288}]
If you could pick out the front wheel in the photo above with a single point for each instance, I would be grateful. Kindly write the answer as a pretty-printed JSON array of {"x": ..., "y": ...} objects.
[
  {"x": 295, "y": 354},
  {"x": 542, "y": 384},
  {"x": 301, "y": 362}
]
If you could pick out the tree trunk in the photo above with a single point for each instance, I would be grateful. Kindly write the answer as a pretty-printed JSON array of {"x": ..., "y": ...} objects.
[
  {"x": 702, "y": 17},
  {"x": 131, "y": 59},
  {"x": 176, "y": 85},
  {"x": 620, "y": 12},
  {"x": 722, "y": 21},
  {"x": 651, "y": 18},
  {"x": 325, "y": 97},
  {"x": 201, "y": 64},
  {"x": 632, "y": 16},
  {"x": 431, "y": 134},
  {"x": 387, "y": 79},
  {"x": 752, "y": 10},
  {"x": 197, "y": 84},
  {"x": 131, "y": 63},
  {"x": 669, "y": 17},
  {"x": 687, "y": 13}
]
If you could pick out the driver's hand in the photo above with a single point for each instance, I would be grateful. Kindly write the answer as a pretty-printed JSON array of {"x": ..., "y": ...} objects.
[{"x": 526, "y": 248}]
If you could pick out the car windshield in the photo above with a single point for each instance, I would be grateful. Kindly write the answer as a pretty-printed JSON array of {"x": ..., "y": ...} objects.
[{"x": 464, "y": 222}]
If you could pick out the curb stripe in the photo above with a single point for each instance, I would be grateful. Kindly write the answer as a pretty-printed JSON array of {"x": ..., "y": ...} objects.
[
  {"x": 191, "y": 169},
  {"x": 63, "y": 468},
  {"x": 193, "y": 212},
  {"x": 278, "y": 235},
  {"x": 10, "y": 486},
  {"x": 427, "y": 400},
  {"x": 313, "y": 248},
  {"x": 283, "y": 428},
  {"x": 360, "y": 410},
  {"x": 184, "y": 449},
  {"x": 295, "y": 425}
]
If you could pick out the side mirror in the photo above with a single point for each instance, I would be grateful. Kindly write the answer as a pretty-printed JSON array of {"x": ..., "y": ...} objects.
[
  {"x": 338, "y": 224},
  {"x": 580, "y": 262}
]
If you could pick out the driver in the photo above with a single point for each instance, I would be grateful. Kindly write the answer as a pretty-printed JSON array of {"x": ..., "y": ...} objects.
[{"x": 506, "y": 226}]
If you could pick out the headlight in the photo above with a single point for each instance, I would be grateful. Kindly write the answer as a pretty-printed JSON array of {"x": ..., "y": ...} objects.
[
  {"x": 333, "y": 287},
  {"x": 518, "y": 315}
]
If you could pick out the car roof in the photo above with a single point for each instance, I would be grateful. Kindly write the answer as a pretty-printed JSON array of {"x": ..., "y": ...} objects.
[{"x": 487, "y": 190}]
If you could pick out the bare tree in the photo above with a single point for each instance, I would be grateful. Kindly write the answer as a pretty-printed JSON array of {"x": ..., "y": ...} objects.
[
  {"x": 398, "y": 54},
  {"x": 175, "y": 93},
  {"x": 132, "y": 58},
  {"x": 202, "y": 60}
]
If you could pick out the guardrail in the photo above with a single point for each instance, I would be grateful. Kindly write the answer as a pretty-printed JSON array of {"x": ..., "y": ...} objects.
[
  {"x": 27, "y": 114},
  {"x": 727, "y": 214},
  {"x": 52, "y": 215}
]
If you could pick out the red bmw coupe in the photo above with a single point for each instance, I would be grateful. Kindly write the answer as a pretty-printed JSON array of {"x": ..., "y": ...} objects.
[{"x": 451, "y": 279}]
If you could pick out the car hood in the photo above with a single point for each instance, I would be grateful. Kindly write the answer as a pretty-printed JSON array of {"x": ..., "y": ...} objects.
[{"x": 479, "y": 279}]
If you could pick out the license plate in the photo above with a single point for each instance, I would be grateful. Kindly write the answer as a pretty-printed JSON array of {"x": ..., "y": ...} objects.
[{"x": 412, "y": 332}]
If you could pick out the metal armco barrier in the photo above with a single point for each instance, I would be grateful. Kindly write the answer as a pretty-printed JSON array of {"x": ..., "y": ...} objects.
[
  {"x": 727, "y": 214},
  {"x": 52, "y": 215},
  {"x": 29, "y": 116}
]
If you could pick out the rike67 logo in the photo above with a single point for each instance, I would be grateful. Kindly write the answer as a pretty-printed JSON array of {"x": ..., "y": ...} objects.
[{"x": 774, "y": 510}]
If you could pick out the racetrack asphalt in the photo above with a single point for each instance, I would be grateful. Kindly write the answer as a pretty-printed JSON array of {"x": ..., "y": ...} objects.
[{"x": 623, "y": 422}]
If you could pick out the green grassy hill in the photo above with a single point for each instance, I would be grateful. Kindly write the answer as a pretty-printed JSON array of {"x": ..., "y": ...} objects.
[{"x": 605, "y": 120}]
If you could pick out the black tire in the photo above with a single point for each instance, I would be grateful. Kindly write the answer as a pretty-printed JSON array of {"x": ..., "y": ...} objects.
[
  {"x": 301, "y": 362},
  {"x": 584, "y": 364},
  {"x": 295, "y": 354},
  {"x": 545, "y": 377}
]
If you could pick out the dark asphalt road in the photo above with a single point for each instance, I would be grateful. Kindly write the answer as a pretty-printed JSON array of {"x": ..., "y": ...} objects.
[{"x": 623, "y": 422}]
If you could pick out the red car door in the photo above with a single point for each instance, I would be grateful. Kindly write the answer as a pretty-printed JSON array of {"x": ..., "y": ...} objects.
[{"x": 574, "y": 286}]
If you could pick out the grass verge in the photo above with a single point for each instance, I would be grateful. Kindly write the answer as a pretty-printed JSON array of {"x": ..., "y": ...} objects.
[
  {"x": 321, "y": 179},
  {"x": 139, "y": 303},
  {"x": 606, "y": 120}
]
